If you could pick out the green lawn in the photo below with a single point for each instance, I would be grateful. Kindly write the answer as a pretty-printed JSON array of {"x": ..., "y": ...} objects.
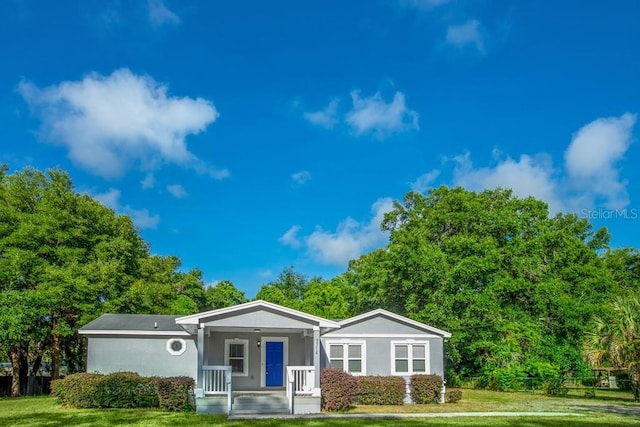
[{"x": 43, "y": 411}]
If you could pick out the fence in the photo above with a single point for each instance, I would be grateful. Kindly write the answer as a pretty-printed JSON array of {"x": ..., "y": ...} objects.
[
  {"x": 587, "y": 386},
  {"x": 30, "y": 385}
]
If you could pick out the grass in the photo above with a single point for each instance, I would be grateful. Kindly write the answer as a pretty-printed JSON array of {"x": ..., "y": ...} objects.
[{"x": 615, "y": 411}]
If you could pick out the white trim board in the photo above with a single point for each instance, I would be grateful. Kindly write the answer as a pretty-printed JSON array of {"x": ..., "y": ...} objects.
[
  {"x": 263, "y": 358},
  {"x": 390, "y": 335}
]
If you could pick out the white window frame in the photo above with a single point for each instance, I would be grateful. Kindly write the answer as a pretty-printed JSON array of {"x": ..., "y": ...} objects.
[
  {"x": 410, "y": 344},
  {"x": 173, "y": 352},
  {"x": 345, "y": 343},
  {"x": 245, "y": 343}
]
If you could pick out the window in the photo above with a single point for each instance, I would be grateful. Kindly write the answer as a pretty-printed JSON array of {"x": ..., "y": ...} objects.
[
  {"x": 236, "y": 355},
  {"x": 409, "y": 357},
  {"x": 348, "y": 356},
  {"x": 176, "y": 346}
]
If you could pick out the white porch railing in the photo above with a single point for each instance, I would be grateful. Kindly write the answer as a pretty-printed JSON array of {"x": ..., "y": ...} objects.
[
  {"x": 216, "y": 380},
  {"x": 301, "y": 380}
]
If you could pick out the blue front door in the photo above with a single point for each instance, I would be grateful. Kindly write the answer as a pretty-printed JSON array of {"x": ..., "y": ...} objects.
[{"x": 274, "y": 363}]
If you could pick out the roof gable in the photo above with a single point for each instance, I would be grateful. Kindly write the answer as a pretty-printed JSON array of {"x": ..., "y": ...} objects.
[
  {"x": 226, "y": 315},
  {"x": 367, "y": 317}
]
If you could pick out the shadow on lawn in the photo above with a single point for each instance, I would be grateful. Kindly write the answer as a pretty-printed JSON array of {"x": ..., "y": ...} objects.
[{"x": 149, "y": 418}]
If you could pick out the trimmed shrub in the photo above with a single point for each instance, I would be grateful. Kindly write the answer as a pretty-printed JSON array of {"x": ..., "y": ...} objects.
[
  {"x": 381, "y": 390},
  {"x": 338, "y": 389},
  {"x": 124, "y": 390},
  {"x": 453, "y": 395},
  {"x": 127, "y": 390},
  {"x": 174, "y": 393},
  {"x": 426, "y": 388},
  {"x": 77, "y": 390}
]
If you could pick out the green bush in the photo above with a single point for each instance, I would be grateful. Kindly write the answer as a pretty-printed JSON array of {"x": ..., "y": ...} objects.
[
  {"x": 503, "y": 379},
  {"x": 426, "y": 388},
  {"x": 338, "y": 389},
  {"x": 124, "y": 390},
  {"x": 77, "y": 390},
  {"x": 453, "y": 395},
  {"x": 555, "y": 386},
  {"x": 127, "y": 390},
  {"x": 174, "y": 393},
  {"x": 381, "y": 390}
]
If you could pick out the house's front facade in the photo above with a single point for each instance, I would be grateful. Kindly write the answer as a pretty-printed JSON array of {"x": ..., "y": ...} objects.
[{"x": 261, "y": 347}]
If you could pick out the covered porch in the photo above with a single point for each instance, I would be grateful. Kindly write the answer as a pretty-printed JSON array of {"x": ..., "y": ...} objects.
[{"x": 258, "y": 348}]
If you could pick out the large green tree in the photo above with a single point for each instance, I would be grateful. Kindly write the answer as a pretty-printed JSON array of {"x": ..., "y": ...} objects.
[
  {"x": 514, "y": 285},
  {"x": 64, "y": 260},
  {"x": 63, "y": 255}
]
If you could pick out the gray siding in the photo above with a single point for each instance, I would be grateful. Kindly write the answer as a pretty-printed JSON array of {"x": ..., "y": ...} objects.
[
  {"x": 148, "y": 356},
  {"x": 260, "y": 319},
  {"x": 379, "y": 325},
  {"x": 379, "y": 357},
  {"x": 214, "y": 354}
]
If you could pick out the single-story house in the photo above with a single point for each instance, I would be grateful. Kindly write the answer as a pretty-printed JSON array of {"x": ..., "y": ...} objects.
[{"x": 244, "y": 355}]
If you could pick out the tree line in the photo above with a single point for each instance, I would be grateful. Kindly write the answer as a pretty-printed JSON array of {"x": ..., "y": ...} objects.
[{"x": 523, "y": 293}]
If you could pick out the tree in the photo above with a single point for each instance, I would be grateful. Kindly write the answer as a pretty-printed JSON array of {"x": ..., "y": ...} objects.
[
  {"x": 63, "y": 252},
  {"x": 331, "y": 299},
  {"x": 287, "y": 290},
  {"x": 223, "y": 294},
  {"x": 64, "y": 260},
  {"x": 514, "y": 286},
  {"x": 615, "y": 339}
]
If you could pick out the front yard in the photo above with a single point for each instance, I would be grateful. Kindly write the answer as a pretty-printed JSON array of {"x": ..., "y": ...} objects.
[{"x": 613, "y": 410}]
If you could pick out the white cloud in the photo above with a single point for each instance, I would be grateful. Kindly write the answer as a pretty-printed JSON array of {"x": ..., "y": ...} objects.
[
  {"x": 265, "y": 274},
  {"x": 108, "y": 123},
  {"x": 326, "y": 118},
  {"x": 588, "y": 178},
  {"x": 465, "y": 34},
  {"x": 374, "y": 115},
  {"x": 301, "y": 177},
  {"x": 148, "y": 182},
  {"x": 424, "y": 181},
  {"x": 351, "y": 238},
  {"x": 141, "y": 217},
  {"x": 177, "y": 191},
  {"x": 290, "y": 238},
  {"x": 528, "y": 176},
  {"x": 593, "y": 154},
  {"x": 160, "y": 14}
]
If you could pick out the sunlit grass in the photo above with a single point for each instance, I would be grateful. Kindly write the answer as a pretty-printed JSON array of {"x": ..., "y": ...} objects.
[{"x": 44, "y": 411}]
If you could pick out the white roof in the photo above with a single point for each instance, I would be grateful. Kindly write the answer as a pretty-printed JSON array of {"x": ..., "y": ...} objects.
[
  {"x": 399, "y": 318},
  {"x": 195, "y": 319}
]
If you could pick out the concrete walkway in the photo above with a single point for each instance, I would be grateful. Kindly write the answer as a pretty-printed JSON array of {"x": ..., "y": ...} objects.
[{"x": 410, "y": 415}]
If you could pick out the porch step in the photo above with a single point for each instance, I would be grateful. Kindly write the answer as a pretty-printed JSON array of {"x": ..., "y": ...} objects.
[{"x": 246, "y": 404}]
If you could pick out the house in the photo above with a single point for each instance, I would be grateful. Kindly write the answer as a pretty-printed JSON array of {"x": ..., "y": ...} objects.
[{"x": 262, "y": 356}]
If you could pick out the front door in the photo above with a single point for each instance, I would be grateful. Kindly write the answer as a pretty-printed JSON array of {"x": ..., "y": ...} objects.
[{"x": 274, "y": 355}]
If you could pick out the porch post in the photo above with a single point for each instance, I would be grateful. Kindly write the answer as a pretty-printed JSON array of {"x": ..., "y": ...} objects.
[
  {"x": 316, "y": 354},
  {"x": 199, "y": 383}
]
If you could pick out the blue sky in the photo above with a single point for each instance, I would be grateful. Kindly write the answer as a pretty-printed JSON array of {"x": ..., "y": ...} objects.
[{"x": 248, "y": 136}]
